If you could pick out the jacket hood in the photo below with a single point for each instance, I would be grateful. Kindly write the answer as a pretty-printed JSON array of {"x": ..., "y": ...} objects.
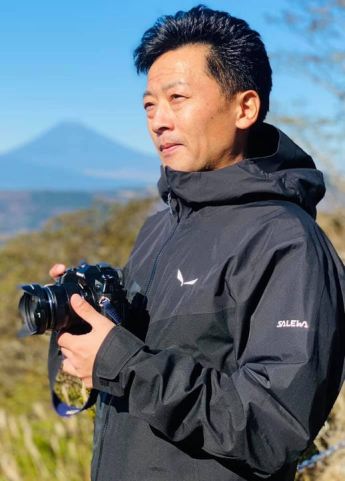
[{"x": 276, "y": 168}]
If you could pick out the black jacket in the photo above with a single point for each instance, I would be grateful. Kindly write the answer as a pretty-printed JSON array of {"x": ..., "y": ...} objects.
[{"x": 233, "y": 354}]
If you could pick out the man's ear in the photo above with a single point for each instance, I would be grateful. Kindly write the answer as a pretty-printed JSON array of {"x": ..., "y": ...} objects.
[{"x": 248, "y": 108}]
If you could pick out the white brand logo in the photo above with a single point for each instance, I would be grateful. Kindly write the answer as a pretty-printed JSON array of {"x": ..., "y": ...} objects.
[
  {"x": 185, "y": 283},
  {"x": 70, "y": 412},
  {"x": 293, "y": 323}
]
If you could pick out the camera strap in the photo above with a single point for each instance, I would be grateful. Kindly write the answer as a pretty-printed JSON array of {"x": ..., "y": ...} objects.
[{"x": 54, "y": 363}]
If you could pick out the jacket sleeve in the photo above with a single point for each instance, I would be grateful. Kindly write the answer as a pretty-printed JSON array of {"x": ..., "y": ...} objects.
[{"x": 289, "y": 367}]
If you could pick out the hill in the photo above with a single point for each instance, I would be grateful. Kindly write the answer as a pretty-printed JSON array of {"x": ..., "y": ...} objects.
[
  {"x": 22, "y": 211},
  {"x": 35, "y": 444}
]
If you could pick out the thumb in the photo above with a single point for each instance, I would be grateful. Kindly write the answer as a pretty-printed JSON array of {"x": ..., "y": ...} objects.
[{"x": 85, "y": 310}]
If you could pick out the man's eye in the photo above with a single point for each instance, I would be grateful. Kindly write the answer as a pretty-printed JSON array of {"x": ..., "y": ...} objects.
[
  {"x": 177, "y": 97},
  {"x": 148, "y": 106}
]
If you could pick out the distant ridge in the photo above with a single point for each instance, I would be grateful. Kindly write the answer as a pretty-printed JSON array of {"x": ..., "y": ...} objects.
[
  {"x": 24, "y": 211},
  {"x": 72, "y": 156}
]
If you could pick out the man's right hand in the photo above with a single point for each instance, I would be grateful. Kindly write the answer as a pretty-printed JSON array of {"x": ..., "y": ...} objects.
[{"x": 57, "y": 270}]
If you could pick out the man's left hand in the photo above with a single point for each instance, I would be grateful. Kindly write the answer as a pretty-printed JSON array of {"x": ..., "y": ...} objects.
[{"x": 80, "y": 351}]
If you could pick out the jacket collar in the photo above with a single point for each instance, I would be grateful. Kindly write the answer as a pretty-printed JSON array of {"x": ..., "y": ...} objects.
[{"x": 275, "y": 168}]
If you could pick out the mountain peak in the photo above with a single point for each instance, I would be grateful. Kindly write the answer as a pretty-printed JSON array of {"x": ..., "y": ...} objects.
[
  {"x": 72, "y": 127},
  {"x": 72, "y": 150}
]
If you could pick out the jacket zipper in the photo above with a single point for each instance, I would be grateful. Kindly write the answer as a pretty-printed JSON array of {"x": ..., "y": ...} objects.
[
  {"x": 155, "y": 263},
  {"x": 148, "y": 287},
  {"x": 104, "y": 430}
]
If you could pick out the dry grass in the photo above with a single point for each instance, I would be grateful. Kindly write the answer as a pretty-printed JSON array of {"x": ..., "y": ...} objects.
[
  {"x": 41, "y": 446},
  {"x": 332, "y": 468},
  {"x": 35, "y": 443}
]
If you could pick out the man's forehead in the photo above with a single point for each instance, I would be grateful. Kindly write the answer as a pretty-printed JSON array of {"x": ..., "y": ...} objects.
[{"x": 181, "y": 66}]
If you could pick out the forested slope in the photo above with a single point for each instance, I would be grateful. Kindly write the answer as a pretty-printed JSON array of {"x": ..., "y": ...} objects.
[{"x": 35, "y": 443}]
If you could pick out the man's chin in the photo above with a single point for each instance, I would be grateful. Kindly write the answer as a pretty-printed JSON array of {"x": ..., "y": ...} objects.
[{"x": 181, "y": 165}]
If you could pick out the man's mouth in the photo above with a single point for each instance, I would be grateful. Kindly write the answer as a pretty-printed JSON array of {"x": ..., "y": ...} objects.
[{"x": 169, "y": 148}]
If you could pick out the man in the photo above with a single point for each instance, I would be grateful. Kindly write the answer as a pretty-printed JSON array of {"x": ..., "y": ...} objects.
[{"x": 233, "y": 352}]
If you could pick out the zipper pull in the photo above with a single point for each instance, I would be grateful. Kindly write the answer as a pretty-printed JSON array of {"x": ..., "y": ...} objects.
[{"x": 169, "y": 203}]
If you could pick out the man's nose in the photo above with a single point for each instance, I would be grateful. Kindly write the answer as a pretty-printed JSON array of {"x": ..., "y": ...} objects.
[{"x": 162, "y": 118}]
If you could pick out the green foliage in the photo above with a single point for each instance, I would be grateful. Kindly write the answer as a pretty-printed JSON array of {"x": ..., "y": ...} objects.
[{"x": 35, "y": 443}]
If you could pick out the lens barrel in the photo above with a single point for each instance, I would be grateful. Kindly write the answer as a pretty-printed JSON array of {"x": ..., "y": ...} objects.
[{"x": 43, "y": 308}]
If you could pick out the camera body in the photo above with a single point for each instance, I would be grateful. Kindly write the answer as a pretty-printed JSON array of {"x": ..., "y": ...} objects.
[{"x": 48, "y": 307}]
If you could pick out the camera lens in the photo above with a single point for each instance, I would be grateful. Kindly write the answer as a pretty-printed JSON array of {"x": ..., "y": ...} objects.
[
  {"x": 36, "y": 307},
  {"x": 47, "y": 307}
]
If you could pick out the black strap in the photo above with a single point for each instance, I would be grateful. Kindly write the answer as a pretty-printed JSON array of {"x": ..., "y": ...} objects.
[{"x": 54, "y": 363}]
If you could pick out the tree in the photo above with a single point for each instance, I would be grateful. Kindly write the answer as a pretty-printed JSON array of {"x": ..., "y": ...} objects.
[{"x": 320, "y": 25}]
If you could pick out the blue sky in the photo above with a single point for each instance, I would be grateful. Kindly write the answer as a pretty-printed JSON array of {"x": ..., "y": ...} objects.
[{"x": 72, "y": 60}]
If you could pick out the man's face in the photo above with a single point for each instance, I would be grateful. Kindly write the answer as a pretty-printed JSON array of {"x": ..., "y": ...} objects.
[{"x": 191, "y": 122}]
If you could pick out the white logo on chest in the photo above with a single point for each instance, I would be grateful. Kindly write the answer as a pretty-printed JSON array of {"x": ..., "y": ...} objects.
[{"x": 185, "y": 283}]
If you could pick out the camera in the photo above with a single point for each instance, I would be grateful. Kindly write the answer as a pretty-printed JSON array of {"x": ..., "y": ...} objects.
[{"x": 48, "y": 307}]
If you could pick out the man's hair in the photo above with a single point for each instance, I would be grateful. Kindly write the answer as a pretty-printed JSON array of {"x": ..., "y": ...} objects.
[{"x": 237, "y": 59}]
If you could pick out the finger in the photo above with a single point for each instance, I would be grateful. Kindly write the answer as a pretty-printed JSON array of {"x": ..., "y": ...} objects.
[
  {"x": 67, "y": 341},
  {"x": 85, "y": 310},
  {"x": 88, "y": 382},
  {"x": 66, "y": 353},
  {"x": 68, "y": 367},
  {"x": 57, "y": 270}
]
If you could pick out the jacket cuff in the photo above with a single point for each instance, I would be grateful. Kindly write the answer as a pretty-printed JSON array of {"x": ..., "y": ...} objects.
[{"x": 117, "y": 348}]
